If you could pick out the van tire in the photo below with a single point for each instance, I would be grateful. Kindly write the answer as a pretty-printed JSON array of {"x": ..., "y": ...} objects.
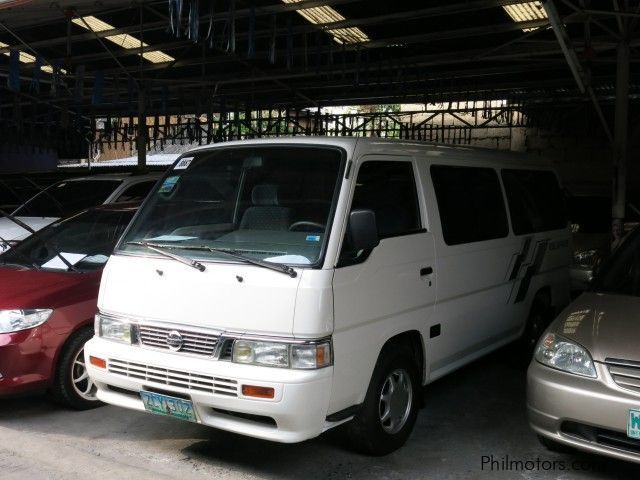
[
  {"x": 395, "y": 371},
  {"x": 70, "y": 366}
]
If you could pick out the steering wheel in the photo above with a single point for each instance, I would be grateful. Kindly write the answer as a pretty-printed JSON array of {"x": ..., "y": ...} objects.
[{"x": 315, "y": 226}]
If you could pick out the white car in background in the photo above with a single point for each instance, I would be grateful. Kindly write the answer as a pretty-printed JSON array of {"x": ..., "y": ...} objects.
[{"x": 69, "y": 196}]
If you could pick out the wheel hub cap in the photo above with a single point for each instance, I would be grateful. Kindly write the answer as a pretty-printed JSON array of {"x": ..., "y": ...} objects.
[
  {"x": 395, "y": 401},
  {"x": 80, "y": 379}
]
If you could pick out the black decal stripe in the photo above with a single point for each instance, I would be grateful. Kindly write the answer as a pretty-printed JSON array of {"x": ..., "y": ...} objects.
[
  {"x": 520, "y": 258},
  {"x": 532, "y": 269}
]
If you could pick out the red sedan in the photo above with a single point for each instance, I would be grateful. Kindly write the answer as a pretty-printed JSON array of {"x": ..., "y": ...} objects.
[{"x": 48, "y": 294}]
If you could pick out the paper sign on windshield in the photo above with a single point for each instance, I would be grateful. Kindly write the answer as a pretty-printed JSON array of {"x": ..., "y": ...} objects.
[{"x": 183, "y": 163}]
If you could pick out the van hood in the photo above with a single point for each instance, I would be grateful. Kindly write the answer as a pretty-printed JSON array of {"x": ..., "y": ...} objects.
[
  {"x": 231, "y": 297},
  {"x": 607, "y": 325},
  {"x": 10, "y": 230}
]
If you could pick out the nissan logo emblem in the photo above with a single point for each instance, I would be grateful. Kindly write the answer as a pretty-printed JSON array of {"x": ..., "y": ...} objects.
[{"x": 175, "y": 340}]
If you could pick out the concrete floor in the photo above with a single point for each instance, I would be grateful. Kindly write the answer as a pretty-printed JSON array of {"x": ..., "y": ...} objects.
[{"x": 475, "y": 412}]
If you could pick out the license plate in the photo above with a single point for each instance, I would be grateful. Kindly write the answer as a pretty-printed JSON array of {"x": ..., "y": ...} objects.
[
  {"x": 168, "y": 406},
  {"x": 633, "y": 424}
]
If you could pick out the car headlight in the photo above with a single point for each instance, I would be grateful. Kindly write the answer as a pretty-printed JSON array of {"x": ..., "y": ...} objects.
[
  {"x": 113, "y": 329},
  {"x": 283, "y": 355},
  {"x": 16, "y": 320},
  {"x": 586, "y": 258},
  {"x": 558, "y": 352}
]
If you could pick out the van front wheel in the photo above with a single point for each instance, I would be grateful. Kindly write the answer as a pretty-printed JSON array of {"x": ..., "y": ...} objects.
[{"x": 388, "y": 414}]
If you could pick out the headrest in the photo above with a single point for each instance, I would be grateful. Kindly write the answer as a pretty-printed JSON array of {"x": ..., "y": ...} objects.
[{"x": 265, "y": 195}]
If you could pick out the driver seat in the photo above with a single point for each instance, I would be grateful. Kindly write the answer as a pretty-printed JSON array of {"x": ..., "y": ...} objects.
[{"x": 266, "y": 213}]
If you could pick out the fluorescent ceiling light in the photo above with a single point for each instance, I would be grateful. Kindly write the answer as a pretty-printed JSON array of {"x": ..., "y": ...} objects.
[
  {"x": 27, "y": 58},
  {"x": 526, "y": 12},
  {"x": 326, "y": 14},
  {"x": 24, "y": 56},
  {"x": 123, "y": 40}
]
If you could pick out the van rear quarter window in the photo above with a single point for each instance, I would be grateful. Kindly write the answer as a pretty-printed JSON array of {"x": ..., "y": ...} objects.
[
  {"x": 470, "y": 203},
  {"x": 535, "y": 201}
]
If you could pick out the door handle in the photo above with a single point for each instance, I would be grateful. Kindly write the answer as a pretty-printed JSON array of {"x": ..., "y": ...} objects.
[{"x": 426, "y": 271}]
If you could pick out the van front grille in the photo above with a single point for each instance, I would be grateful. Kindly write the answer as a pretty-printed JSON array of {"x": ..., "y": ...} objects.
[
  {"x": 193, "y": 342},
  {"x": 152, "y": 375},
  {"x": 626, "y": 373}
]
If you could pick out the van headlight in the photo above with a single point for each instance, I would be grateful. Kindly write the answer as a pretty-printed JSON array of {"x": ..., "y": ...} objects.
[
  {"x": 283, "y": 355},
  {"x": 24, "y": 319},
  {"x": 113, "y": 329},
  {"x": 558, "y": 352}
]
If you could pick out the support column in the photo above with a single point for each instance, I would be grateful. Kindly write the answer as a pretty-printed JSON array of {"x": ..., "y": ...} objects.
[
  {"x": 620, "y": 144},
  {"x": 141, "y": 140}
]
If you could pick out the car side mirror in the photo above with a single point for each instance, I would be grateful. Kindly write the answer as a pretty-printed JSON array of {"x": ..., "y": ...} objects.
[{"x": 363, "y": 229}]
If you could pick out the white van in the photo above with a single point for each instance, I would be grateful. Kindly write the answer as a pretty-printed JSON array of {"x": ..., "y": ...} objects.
[{"x": 279, "y": 288}]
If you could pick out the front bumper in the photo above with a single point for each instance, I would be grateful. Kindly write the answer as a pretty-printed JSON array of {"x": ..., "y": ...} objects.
[
  {"x": 590, "y": 414},
  {"x": 297, "y": 412},
  {"x": 26, "y": 360}
]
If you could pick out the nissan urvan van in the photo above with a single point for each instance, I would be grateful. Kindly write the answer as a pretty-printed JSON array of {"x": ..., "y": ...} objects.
[{"x": 280, "y": 288}]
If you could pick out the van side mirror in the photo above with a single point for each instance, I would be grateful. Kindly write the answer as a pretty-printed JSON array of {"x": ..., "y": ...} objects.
[{"x": 363, "y": 229}]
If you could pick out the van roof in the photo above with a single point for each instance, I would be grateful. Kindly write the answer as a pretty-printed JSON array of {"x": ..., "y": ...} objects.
[{"x": 397, "y": 146}]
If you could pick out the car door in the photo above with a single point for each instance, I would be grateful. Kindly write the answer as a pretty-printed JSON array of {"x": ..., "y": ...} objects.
[{"x": 390, "y": 289}]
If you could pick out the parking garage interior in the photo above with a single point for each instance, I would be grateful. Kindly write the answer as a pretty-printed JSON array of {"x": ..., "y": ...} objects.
[{"x": 91, "y": 87}]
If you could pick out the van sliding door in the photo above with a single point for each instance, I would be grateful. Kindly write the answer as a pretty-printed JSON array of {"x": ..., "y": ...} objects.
[{"x": 475, "y": 252}]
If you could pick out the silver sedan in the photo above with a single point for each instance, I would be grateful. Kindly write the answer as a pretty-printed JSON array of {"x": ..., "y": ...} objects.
[{"x": 583, "y": 384}]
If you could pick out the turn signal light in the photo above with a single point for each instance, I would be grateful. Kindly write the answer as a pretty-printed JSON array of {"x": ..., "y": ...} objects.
[
  {"x": 98, "y": 362},
  {"x": 258, "y": 392}
]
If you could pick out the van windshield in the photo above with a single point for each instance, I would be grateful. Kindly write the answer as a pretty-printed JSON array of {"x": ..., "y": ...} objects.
[{"x": 269, "y": 203}]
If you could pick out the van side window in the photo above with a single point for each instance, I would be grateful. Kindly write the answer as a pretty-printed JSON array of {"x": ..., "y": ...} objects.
[
  {"x": 470, "y": 203},
  {"x": 389, "y": 189},
  {"x": 535, "y": 200}
]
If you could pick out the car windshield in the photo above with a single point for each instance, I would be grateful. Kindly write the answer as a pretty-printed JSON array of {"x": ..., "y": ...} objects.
[
  {"x": 267, "y": 203},
  {"x": 85, "y": 241},
  {"x": 68, "y": 197},
  {"x": 621, "y": 273}
]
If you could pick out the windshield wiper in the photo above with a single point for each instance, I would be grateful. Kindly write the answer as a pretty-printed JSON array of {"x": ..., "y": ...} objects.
[
  {"x": 276, "y": 267},
  {"x": 159, "y": 248}
]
